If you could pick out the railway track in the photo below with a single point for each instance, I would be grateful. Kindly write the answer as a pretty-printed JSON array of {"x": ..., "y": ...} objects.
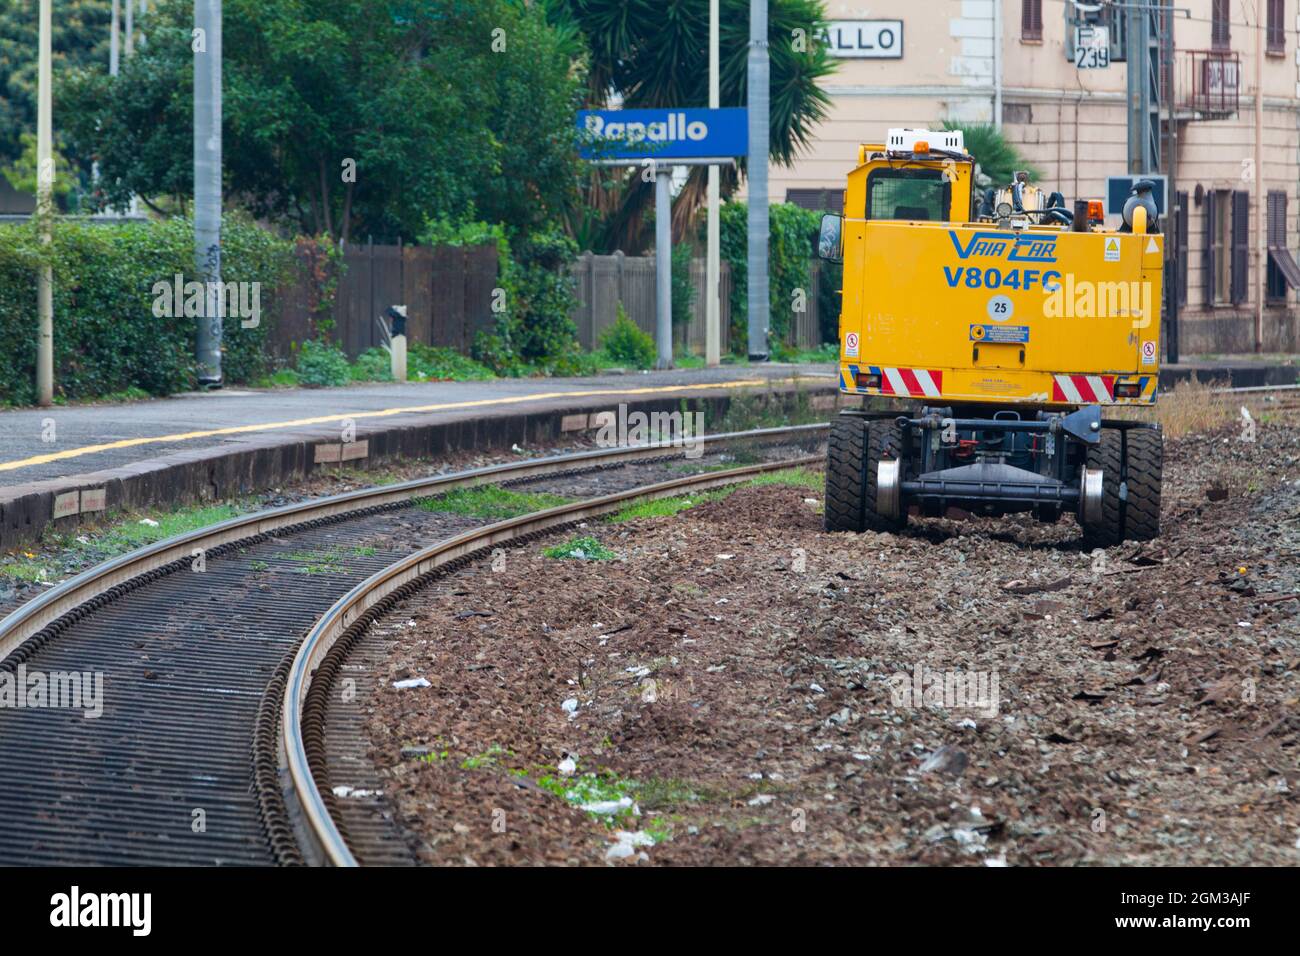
[{"x": 199, "y": 644}]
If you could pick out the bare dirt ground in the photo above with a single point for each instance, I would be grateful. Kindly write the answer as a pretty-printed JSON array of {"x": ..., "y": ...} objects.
[{"x": 737, "y": 682}]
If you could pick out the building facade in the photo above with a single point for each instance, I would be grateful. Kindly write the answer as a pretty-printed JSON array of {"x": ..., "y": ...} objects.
[{"x": 1236, "y": 209}]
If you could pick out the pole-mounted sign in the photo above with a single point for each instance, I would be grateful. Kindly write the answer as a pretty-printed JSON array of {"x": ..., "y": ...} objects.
[
  {"x": 661, "y": 139},
  {"x": 663, "y": 134}
]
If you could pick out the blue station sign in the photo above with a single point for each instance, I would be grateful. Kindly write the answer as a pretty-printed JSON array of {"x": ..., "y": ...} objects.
[{"x": 664, "y": 133}]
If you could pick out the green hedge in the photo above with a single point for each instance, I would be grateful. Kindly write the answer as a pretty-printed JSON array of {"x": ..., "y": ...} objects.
[
  {"x": 107, "y": 339},
  {"x": 791, "y": 247}
]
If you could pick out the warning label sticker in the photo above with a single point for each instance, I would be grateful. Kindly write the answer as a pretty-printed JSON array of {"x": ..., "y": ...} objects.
[
  {"x": 1112, "y": 248},
  {"x": 1015, "y": 334},
  {"x": 851, "y": 345},
  {"x": 1149, "y": 352}
]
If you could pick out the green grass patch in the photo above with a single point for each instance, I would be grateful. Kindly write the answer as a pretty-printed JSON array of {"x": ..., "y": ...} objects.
[
  {"x": 828, "y": 352},
  {"x": 328, "y": 560},
  {"x": 585, "y": 548},
  {"x": 86, "y": 546},
  {"x": 790, "y": 478},
  {"x": 428, "y": 363},
  {"x": 492, "y": 502},
  {"x": 282, "y": 378},
  {"x": 688, "y": 360},
  {"x": 666, "y": 507},
  {"x": 487, "y": 758}
]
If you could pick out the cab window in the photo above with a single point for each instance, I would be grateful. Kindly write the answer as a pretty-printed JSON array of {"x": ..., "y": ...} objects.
[{"x": 921, "y": 195}]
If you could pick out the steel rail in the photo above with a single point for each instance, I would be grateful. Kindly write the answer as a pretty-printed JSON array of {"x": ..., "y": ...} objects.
[
  {"x": 327, "y": 841},
  {"x": 30, "y": 618},
  {"x": 1247, "y": 389}
]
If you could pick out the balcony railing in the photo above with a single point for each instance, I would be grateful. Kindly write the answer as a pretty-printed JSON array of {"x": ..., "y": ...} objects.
[{"x": 1209, "y": 82}]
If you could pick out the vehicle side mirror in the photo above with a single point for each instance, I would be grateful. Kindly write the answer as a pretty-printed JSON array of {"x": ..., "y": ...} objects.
[{"x": 830, "y": 242}]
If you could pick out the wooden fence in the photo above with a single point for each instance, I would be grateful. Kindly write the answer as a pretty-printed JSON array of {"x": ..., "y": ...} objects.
[
  {"x": 448, "y": 294},
  {"x": 604, "y": 281}
]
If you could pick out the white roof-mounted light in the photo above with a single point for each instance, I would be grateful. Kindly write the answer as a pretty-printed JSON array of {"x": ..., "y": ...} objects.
[{"x": 943, "y": 141}]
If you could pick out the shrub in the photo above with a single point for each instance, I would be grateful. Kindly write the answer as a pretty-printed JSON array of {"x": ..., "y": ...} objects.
[
  {"x": 791, "y": 248},
  {"x": 373, "y": 365},
  {"x": 625, "y": 343},
  {"x": 107, "y": 339},
  {"x": 321, "y": 364},
  {"x": 683, "y": 288},
  {"x": 431, "y": 363},
  {"x": 534, "y": 331},
  {"x": 997, "y": 157}
]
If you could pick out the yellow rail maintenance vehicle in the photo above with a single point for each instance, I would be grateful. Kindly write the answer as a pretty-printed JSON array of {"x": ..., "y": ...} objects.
[{"x": 1007, "y": 322}]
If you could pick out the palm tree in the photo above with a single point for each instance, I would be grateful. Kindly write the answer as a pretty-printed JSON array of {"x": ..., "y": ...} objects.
[{"x": 655, "y": 53}]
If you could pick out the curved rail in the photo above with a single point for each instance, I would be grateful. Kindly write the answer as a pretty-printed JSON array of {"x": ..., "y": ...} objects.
[
  {"x": 30, "y": 618},
  {"x": 321, "y": 827}
]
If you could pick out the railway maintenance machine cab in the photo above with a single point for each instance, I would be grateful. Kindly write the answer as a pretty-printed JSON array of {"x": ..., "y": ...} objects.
[{"x": 1001, "y": 324}]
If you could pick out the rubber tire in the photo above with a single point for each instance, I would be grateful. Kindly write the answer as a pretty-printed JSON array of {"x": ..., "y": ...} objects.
[
  {"x": 846, "y": 475},
  {"x": 884, "y": 440},
  {"x": 1135, "y": 457},
  {"x": 1146, "y": 462}
]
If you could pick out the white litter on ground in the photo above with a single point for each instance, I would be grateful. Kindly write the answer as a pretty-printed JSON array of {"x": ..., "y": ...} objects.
[
  {"x": 344, "y": 791},
  {"x": 627, "y": 843},
  {"x": 411, "y": 683},
  {"x": 567, "y": 767},
  {"x": 606, "y": 807}
]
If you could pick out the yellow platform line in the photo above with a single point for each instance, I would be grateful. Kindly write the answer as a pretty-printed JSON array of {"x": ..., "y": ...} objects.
[{"x": 387, "y": 412}]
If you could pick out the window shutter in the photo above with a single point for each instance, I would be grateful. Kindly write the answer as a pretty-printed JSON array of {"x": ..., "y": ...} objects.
[
  {"x": 1277, "y": 26},
  {"x": 1276, "y": 219},
  {"x": 1031, "y": 19},
  {"x": 1220, "y": 31},
  {"x": 1240, "y": 246},
  {"x": 1207, "y": 252},
  {"x": 1182, "y": 246}
]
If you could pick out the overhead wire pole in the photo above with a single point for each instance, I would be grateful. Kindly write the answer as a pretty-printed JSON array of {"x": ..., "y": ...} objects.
[
  {"x": 712, "y": 307},
  {"x": 759, "y": 227},
  {"x": 114, "y": 30},
  {"x": 1149, "y": 35},
  {"x": 207, "y": 185},
  {"x": 1261, "y": 254},
  {"x": 1174, "y": 239},
  {"x": 44, "y": 212},
  {"x": 663, "y": 265}
]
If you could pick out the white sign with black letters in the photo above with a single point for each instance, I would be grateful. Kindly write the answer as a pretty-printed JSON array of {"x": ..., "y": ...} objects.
[
  {"x": 865, "y": 39},
  {"x": 1091, "y": 47}
]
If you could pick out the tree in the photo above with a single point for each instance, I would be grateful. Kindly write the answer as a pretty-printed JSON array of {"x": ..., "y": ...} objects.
[
  {"x": 655, "y": 53},
  {"x": 349, "y": 117},
  {"x": 22, "y": 175},
  {"x": 995, "y": 155},
  {"x": 79, "y": 38}
]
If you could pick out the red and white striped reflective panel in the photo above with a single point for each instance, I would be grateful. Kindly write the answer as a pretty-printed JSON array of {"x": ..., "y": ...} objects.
[
  {"x": 911, "y": 382},
  {"x": 1083, "y": 389}
]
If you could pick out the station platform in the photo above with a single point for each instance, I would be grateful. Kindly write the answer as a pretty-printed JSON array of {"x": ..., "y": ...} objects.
[{"x": 67, "y": 463}]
